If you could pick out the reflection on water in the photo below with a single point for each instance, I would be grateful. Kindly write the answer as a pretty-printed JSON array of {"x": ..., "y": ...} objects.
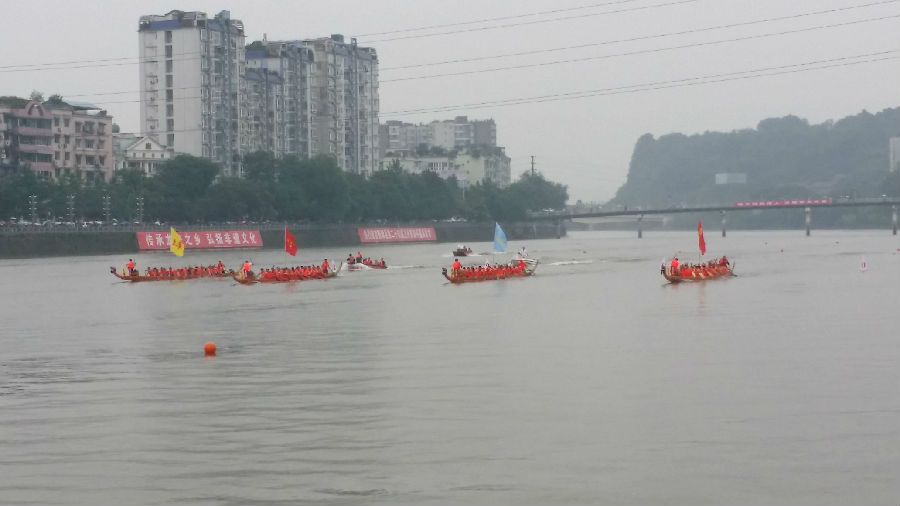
[{"x": 593, "y": 382}]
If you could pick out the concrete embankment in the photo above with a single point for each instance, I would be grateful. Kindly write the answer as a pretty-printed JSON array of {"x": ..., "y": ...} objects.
[{"x": 25, "y": 243}]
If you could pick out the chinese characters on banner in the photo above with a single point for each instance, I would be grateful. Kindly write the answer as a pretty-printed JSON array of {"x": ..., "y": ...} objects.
[
  {"x": 409, "y": 234},
  {"x": 161, "y": 240},
  {"x": 766, "y": 203}
]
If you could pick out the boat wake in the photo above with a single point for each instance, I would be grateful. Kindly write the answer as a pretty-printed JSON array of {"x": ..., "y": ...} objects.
[{"x": 572, "y": 262}]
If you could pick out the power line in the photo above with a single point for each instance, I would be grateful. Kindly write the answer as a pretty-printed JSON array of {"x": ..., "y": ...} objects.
[
  {"x": 487, "y": 20},
  {"x": 524, "y": 23},
  {"x": 689, "y": 81},
  {"x": 13, "y": 68},
  {"x": 573, "y": 60},
  {"x": 808, "y": 66},
  {"x": 645, "y": 37},
  {"x": 637, "y": 52}
]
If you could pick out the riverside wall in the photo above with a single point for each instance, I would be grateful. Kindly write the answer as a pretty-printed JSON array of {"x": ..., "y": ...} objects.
[{"x": 38, "y": 242}]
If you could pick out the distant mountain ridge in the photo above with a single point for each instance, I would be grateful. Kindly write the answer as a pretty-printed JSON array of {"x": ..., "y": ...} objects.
[{"x": 783, "y": 158}]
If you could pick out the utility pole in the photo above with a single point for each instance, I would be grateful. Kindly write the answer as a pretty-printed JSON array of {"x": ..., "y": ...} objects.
[
  {"x": 107, "y": 208},
  {"x": 140, "y": 209},
  {"x": 32, "y": 205},
  {"x": 70, "y": 208},
  {"x": 532, "y": 165}
]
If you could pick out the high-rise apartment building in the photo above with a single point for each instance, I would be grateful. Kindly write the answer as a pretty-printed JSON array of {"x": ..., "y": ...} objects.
[
  {"x": 287, "y": 131},
  {"x": 399, "y": 137},
  {"x": 344, "y": 103},
  {"x": 191, "y": 70}
]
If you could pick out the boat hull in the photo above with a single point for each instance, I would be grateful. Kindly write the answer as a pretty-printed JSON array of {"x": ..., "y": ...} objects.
[
  {"x": 530, "y": 267},
  {"x": 675, "y": 278},
  {"x": 254, "y": 279},
  {"x": 138, "y": 277}
]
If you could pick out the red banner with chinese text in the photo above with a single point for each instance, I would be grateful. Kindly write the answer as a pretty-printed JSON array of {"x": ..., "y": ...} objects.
[
  {"x": 160, "y": 240},
  {"x": 397, "y": 234}
]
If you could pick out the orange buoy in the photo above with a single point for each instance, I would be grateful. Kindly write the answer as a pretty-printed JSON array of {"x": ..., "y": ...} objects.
[{"x": 209, "y": 349}]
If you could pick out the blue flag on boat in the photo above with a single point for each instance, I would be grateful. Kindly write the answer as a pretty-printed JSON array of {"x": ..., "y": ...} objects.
[{"x": 499, "y": 238}]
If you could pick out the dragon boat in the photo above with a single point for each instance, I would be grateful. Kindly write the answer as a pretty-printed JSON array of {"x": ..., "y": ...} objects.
[
  {"x": 530, "y": 266},
  {"x": 690, "y": 274},
  {"x": 359, "y": 266},
  {"x": 252, "y": 278},
  {"x": 177, "y": 277}
]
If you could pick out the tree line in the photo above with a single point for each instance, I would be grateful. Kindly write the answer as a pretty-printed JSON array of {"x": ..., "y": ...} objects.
[
  {"x": 782, "y": 159},
  {"x": 188, "y": 189}
]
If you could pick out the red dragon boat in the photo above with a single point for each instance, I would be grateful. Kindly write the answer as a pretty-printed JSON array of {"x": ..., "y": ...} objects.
[
  {"x": 253, "y": 278},
  {"x": 530, "y": 266},
  {"x": 176, "y": 277},
  {"x": 696, "y": 273}
]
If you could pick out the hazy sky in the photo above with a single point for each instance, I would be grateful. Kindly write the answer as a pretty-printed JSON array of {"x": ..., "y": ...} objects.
[{"x": 636, "y": 57}]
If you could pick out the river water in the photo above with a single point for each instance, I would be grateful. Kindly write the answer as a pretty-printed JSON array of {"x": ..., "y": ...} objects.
[{"x": 593, "y": 382}]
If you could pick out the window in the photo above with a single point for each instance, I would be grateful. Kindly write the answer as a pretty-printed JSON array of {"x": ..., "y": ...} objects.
[
  {"x": 148, "y": 146},
  {"x": 102, "y": 160},
  {"x": 169, "y": 66},
  {"x": 168, "y": 81},
  {"x": 170, "y": 140},
  {"x": 168, "y": 51},
  {"x": 168, "y": 37},
  {"x": 170, "y": 124},
  {"x": 77, "y": 127},
  {"x": 56, "y": 121},
  {"x": 66, "y": 139},
  {"x": 56, "y": 155},
  {"x": 77, "y": 142},
  {"x": 170, "y": 110},
  {"x": 169, "y": 95},
  {"x": 89, "y": 143},
  {"x": 77, "y": 159},
  {"x": 101, "y": 144},
  {"x": 66, "y": 123},
  {"x": 66, "y": 156},
  {"x": 56, "y": 138}
]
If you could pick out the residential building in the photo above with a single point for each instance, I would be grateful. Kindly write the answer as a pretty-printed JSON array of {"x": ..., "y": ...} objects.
[
  {"x": 191, "y": 68},
  {"x": 468, "y": 165},
  {"x": 344, "y": 103},
  {"x": 121, "y": 141},
  {"x": 263, "y": 115},
  {"x": 446, "y": 134},
  {"x": 145, "y": 154},
  {"x": 288, "y": 130},
  {"x": 55, "y": 138}
]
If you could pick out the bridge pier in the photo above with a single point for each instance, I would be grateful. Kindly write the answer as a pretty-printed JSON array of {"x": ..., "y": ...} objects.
[
  {"x": 640, "y": 228},
  {"x": 808, "y": 220},
  {"x": 723, "y": 223},
  {"x": 894, "y": 218}
]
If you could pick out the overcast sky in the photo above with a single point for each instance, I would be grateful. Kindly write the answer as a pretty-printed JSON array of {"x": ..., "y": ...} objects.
[{"x": 636, "y": 56}]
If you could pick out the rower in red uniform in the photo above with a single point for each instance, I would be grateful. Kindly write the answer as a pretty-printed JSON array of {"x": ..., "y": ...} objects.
[
  {"x": 456, "y": 266},
  {"x": 325, "y": 266}
]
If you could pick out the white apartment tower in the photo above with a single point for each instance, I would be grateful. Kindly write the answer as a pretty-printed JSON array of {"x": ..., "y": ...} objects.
[
  {"x": 344, "y": 103},
  {"x": 191, "y": 69}
]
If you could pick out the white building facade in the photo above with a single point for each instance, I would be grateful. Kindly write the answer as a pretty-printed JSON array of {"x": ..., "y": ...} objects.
[{"x": 191, "y": 68}]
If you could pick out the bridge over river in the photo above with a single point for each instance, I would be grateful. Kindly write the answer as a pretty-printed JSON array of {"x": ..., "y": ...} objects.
[{"x": 805, "y": 205}]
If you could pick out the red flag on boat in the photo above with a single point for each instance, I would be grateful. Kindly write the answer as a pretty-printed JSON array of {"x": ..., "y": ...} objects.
[
  {"x": 700, "y": 235},
  {"x": 290, "y": 244}
]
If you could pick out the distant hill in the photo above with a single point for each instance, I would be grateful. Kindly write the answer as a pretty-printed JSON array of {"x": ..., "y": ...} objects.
[{"x": 783, "y": 158}]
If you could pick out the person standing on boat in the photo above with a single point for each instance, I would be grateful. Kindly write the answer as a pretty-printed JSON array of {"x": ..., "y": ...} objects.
[
  {"x": 245, "y": 269},
  {"x": 130, "y": 266},
  {"x": 325, "y": 266},
  {"x": 456, "y": 266},
  {"x": 674, "y": 265}
]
